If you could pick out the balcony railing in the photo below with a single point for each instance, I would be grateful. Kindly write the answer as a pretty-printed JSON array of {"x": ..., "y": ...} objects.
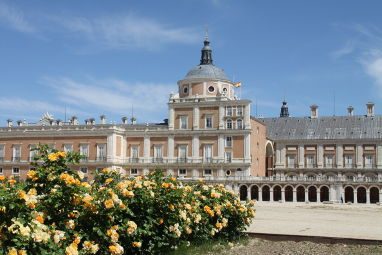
[
  {"x": 101, "y": 159},
  {"x": 370, "y": 166},
  {"x": 16, "y": 159},
  {"x": 349, "y": 165},
  {"x": 187, "y": 161},
  {"x": 157, "y": 160}
]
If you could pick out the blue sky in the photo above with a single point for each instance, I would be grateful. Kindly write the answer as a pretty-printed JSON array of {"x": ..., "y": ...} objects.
[{"x": 90, "y": 57}]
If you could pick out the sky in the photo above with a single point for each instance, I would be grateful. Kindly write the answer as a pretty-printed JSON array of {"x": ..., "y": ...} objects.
[{"x": 119, "y": 58}]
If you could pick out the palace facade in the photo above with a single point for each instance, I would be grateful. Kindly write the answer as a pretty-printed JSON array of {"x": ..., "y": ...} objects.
[{"x": 208, "y": 134}]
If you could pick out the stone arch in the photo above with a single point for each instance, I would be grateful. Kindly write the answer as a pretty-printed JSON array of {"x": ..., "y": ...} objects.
[
  {"x": 266, "y": 192},
  {"x": 254, "y": 192},
  {"x": 243, "y": 192},
  {"x": 300, "y": 193},
  {"x": 374, "y": 195},
  {"x": 349, "y": 194},
  {"x": 361, "y": 195},
  {"x": 288, "y": 193},
  {"x": 276, "y": 193},
  {"x": 324, "y": 193},
  {"x": 312, "y": 193}
]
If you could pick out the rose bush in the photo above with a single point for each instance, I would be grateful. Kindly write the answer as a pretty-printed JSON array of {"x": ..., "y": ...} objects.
[{"x": 55, "y": 212}]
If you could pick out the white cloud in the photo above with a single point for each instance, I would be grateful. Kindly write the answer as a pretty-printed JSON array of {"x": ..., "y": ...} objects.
[
  {"x": 114, "y": 96},
  {"x": 128, "y": 31},
  {"x": 373, "y": 66},
  {"x": 347, "y": 49},
  {"x": 14, "y": 18}
]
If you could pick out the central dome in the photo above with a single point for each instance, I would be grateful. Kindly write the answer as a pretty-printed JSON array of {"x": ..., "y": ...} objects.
[
  {"x": 206, "y": 72},
  {"x": 206, "y": 68}
]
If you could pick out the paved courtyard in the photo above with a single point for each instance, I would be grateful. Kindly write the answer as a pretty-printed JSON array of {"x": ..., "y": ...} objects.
[{"x": 328, "y": 220}]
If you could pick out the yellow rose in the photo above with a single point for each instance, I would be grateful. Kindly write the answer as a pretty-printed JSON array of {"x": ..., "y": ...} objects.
[
  {"x": 52, "y": 157},
  {"x": 136, "y": 244},
  {"x": 109, "y": 204}
]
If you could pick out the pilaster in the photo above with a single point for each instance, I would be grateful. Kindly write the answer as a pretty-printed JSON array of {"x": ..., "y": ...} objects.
[
  {"x": 340, "y": 155},
  {"x": 359, "y": 156},
  {"x": 196, "y": 118}
]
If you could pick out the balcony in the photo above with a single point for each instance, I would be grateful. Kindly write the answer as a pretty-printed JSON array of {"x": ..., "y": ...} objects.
[
  {"x": 310, "y": 165},
  {"x": 370, "y": 166},
  {"x": 101, "y": 159},
  {"x": 330, "y": 165},
  {"x": 16, "y": 159},
  {"x": 182, "y": 160},
  {"x": 349, "y": 165},
  {"x": 292, "y": 165},
  {"x": 157, "y": 160},
  {"x": 134, "y": 160},
  {"x": 207, "y": 160}
]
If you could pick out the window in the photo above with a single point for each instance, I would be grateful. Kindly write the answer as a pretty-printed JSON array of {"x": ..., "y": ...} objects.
[
  {"x": 133, "y": 171},
  {"x": 101, "y": 152},
  {"x": 68, "y": 147},
  {"x": 15, "y": 170},
  {"x": 310, "y": 161},
  {"x": 1, "y": 171},
  {"x": 208, "y": 121},
  {"x": 84, "y": 170},
  {"x": 182, "y": 154},
  {"x": 207, "y": 172},
  {"x": 228, "y": 141},
  {"x": 239, "y": 111},
  {"x": 1, "y": 152},
  {"x": 369, "y": 161},
  {"x": 208, "y": 153},
  {"x": 225, "y": 91},
  {"x": 239, "y": 124},
  {"x": 182, "y": 172},
  {"x": 211, "y": 89},
  {"x": 134, "y": 153},
  {"x": 185, "y": 89},
  {"x": 229, "y": 124},
  {"x": 84, "y": 151},
  {"x": 183, "y": 121},
  {"x": 291, "y": 161},
  {"x": 16, "y": 153},
  {"x": 32, "y": 152},
  {"x": 158, "y": 157},
  {"x": 228, "y": 111},
  {"x": 228, "y": 156},
  {"x": 348, "y": 161},
  {"x": 329, "y": 160}
]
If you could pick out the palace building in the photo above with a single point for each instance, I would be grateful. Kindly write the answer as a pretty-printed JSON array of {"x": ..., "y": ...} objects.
[{"x": 209, "y": 133}]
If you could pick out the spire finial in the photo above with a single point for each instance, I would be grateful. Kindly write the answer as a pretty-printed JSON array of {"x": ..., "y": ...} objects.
[{"x": 206, "y": 58}]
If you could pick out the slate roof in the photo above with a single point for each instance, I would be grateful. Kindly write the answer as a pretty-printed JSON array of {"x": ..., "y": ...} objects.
[
  {"x": 323, "y": 128},
  {"x": 206, "y": 72}
]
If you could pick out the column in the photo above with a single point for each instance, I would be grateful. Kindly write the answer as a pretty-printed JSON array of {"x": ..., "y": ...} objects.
[
  {"x": 355, "y": 196},
  {"x": 294, "y": 194},
  {"x": 342, "y": 191},
  {"x": 195, "y": 147},
  {"x": 340, "y": 156},
  {"x": 368, "y": 196},
  {"x": 283, "y": 195},
  {"x": 171, "y": 118},
  {"x": 249, "y": 194},
  {"x": 247, "y": 116},
  {"x": 320, "y": 156},
  {"x": 111, "y": 147},
  {"x": 146, "y": 149},
  {"x": 380, "y": 196},
  {"x": 221, "y": 117},
  {"x": 260, "y": 194},
  {"x": 379, "y": 157},
  {"x": 318, "y": 196},
  {"x": 359, "y": 156},
  {"x": 221, "y": 144},
  {"x": 271, "y": 194},
  {"x": 247, "y": 148},
  {"x": 306, "y": 195},
  {"x": 196, "y": 117},
  {"x": 301, "y": 152},
  {"x": 170, "y": 148}
]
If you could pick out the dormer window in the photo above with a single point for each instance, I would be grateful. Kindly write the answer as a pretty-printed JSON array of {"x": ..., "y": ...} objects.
[{"x": 185, "y": 90}]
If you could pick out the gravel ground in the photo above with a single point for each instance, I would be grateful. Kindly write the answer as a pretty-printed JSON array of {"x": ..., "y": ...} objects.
[{"x": 261, "y": 246}]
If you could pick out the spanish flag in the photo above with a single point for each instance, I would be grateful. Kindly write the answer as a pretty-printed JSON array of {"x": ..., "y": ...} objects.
[{"x": 237, "y": 84}]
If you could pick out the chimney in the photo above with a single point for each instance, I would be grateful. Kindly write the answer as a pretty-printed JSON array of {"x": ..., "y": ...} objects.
[
  {"x": 59, "y": 122},
  {"x": 103, "y": 119},
  {"x": 74, "y": 120},
  {"x": 87, "y": 122},
  {"x": 165, "y": 121},
  {"x": 133, "y": 120},
  {"x": 9, "y": 123},
  {"x": 51, "y": 122},
  {"x": 350, "y": 110},
  {"x": 92, "y": 121},
  {"x": 370, "y": 109},
  {"x": 124, "y": 120},
  {"x": 314, "y": 111},
  {"x": 20, "y": 123}
]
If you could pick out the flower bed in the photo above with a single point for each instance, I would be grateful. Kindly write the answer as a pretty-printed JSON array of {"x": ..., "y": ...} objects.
[{"x": 55, "y": 212}]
